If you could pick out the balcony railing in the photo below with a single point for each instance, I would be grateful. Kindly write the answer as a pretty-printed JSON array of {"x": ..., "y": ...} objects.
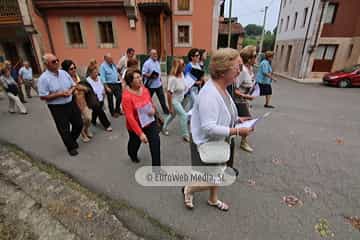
[
  {"x": 154, "y": 5},
  {"x": 9, "y": 12}
]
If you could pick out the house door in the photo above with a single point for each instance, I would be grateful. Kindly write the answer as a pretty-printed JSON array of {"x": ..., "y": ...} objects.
[
  {"x": 153, "y": 36},
  {"x": 11, "y": 52}
]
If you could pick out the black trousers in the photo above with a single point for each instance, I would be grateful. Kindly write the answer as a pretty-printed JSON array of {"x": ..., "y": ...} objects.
[
  {"x": 99, "y": 112},
  {"x": 152, "y": 134},
  {"x": 160, "y": 94},
  {"x": 115, "y": 92},
  {"x": 65, "y": 115}
]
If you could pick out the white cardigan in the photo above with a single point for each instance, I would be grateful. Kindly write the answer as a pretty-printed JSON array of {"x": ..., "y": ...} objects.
[{"x": 210, "y": 119}]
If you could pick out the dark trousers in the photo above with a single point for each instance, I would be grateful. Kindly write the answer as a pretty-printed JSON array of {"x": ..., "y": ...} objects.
[
  {"x": 99, "y": 112},
  {"x": 65, "y": 115},
  {"x": 160, "y": 94},
  {"x": 115, "y": 92},
  {"x": 152, "y": 134},
  {"x": 20, "y": 92}
]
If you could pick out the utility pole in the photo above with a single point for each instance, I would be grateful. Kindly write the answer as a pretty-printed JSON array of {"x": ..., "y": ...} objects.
[
  {"x": 229, "y": 36},
  {"x": 263, "y": 32}
]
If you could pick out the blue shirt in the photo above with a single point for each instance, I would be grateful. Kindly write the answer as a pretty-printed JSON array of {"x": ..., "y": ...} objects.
[
  {"x": 149, "y": 66},
  {"x": 264, "y": 68},
  {"x": 109, "y": 73},
  {"x": 26, "y": 73},
  {"x": 50, "y": 82}
]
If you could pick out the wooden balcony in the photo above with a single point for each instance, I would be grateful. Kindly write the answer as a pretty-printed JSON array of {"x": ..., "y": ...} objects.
[
  {"x": 9, "y": 12},
  {"x": 55, "y": 4},
  {"x": 154, "y": 6}
]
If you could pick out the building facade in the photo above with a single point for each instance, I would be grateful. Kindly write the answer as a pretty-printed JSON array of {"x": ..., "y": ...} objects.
[
  {"x": 315, "y": 37},
  {"x": 85, "y": 29}
]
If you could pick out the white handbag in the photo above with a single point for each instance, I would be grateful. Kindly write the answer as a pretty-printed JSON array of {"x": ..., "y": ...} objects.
[{"x": 214, "y": 152}]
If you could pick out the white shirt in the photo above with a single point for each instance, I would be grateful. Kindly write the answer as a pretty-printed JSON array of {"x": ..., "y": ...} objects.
[
  {"x": 211, "y": 119},
  {"x": 98, "y": 87},
  {"x": 245, "y": 79},
  {"x": 176, "y": 86}
]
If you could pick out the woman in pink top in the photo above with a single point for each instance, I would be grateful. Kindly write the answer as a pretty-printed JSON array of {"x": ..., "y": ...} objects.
[{"x": 137, "y": 105}]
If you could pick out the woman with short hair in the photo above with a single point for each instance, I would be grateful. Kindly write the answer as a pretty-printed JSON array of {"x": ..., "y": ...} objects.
[
  {"x": 244, "y": 83},
  {"x": 136, "y": 101},
  {"x": 264, "y": 78},
  {"x": 213, "y": 121},
  {"x": 175, "y": 94}
]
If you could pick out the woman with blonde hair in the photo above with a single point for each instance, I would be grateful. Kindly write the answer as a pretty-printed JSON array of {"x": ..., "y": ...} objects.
[
  {"x": 213, "y": 123},
  {"x": 92, "y": 64},
  {"x": 244, "y": 83},
  {"x": 175, "y": 95}
]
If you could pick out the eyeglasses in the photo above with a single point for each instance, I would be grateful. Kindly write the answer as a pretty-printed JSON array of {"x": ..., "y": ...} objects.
[
  {"x": 72, "y": 68},
  {"x": 55, "y": 61},
  {"x": 197, "y": 55}
]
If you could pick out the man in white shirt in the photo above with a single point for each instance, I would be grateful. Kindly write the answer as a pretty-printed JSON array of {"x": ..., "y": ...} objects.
[
  {"x": 26, "y": 76},
  {"x": 130, "y": 53}
]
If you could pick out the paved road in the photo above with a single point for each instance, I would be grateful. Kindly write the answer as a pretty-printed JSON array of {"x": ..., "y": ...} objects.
[{"x": 313, "y": 133}]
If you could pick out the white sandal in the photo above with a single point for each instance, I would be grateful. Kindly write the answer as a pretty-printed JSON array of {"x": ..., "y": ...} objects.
[
  {"x": 219, "y": 205},
  {"x": 188, "y": 198}
]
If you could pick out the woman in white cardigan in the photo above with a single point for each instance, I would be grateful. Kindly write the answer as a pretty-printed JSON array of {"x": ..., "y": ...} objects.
[{"x": 213, "y": 119}]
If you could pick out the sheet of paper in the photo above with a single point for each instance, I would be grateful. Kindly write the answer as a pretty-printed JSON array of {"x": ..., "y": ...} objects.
[
  {"x": 247, "y": 124},
  {"x": 189, "y": 81},
  {"x": 255, "y": 91},
  {"x": 143, "y": 113}
]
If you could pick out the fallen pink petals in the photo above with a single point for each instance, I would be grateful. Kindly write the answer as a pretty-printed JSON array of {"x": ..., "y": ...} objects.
[
  {"x": 292, "y": 201},
  {"x": 354, "y": 221}
]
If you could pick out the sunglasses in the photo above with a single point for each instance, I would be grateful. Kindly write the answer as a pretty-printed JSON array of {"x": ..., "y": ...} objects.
[
  {"x": 197, "y": 55},
  {"x": 55, "y": 61},
  {"x": 72, "y": 68}
]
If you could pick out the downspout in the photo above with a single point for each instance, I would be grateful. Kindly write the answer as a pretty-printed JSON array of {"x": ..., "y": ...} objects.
[
  {"x": 171, "y": 28},
  {"x": 48, "y": 33}
]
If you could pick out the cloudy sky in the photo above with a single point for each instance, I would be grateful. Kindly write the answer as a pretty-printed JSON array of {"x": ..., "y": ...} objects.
[{"x": 252, "y": 11}]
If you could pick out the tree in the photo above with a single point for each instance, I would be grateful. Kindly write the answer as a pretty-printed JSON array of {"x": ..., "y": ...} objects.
[{"x": 253, "y": 30}]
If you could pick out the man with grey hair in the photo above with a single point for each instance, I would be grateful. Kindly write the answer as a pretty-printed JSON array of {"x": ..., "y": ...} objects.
[
  {"x": 26, "y": 76},
  {"x": 56, "y": 87},
  {"x": 152, "y": 78},
  {"x": 110, "y": 77}
]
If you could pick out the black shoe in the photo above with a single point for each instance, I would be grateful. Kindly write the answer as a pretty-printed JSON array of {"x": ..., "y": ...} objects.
[
  {"x": 268, "y": 106},
  {"x": 73, "y": 152},
  {"x": 135, "y": 160}
]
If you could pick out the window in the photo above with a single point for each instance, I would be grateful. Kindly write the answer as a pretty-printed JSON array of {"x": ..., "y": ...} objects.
[
  {"x": 350, "y": 50},
  {"x": 295, "y": 20},
  {"x": 306, "y": 10},
  {"x": 183, "y": 34},
  {"x": 281, "y": 25},
  {"x": 74, "y": 33},
  {"x": 287, "y": 23},
  {"x": 106, "y": 32},
  {"x": 183, "y": 7},
  {"x": 282, "y": 50},
  {"x": 330, "y": 13},
  {"x": 326, "y": 52}
]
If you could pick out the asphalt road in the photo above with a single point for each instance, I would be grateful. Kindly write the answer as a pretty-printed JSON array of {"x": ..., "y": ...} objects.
[{"x": 310, "y": 140}]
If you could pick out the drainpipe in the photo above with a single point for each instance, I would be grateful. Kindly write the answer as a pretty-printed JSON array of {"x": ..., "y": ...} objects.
[
  {"x": 172, "y": 28},
  {"x": 45, "y": 17}
]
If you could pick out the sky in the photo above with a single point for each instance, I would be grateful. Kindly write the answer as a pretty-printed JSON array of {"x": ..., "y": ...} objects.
[{"x": 252, "y": 12}]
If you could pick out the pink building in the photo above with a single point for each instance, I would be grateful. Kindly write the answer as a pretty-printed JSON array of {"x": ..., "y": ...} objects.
[{"x": 85, "y": 29}]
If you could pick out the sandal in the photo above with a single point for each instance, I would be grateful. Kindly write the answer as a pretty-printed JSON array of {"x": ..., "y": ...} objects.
[
  {"x": 188, "y": 198},
  {"x": 220, "y": 205}
]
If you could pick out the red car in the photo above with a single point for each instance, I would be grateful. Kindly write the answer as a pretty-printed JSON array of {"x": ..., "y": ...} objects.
[{"x": 344, "y": 78}]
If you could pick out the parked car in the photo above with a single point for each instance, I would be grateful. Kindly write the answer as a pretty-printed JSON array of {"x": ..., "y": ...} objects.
[{"x": 344, "y": 78}]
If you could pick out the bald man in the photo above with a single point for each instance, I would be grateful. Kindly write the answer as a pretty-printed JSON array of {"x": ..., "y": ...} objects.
[
  {"x": 152, "y": 78},
  {"x": 109, "y": 75},
  {"x": 56, "y": 89}
]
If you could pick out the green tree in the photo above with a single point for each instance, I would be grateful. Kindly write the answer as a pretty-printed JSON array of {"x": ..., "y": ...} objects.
[{"x": 253, "y": 30}]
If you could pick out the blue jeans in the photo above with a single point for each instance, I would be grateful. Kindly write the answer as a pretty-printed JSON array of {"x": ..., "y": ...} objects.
[{"x": 179, "y": 110}]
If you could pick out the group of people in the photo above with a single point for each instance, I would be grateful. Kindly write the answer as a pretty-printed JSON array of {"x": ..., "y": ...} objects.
[{"x": 214, "y": 106}]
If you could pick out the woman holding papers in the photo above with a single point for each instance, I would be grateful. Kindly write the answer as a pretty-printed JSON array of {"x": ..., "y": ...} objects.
[
  {"x": 175, "y": 94},
  {"x": 264, "y": 78},
  {"x": 244, "y": 84},
  {"x": 140, "y": 121},
  {"x": 213, "y": 122}
]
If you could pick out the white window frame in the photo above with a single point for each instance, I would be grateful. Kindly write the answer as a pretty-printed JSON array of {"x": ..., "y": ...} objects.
[
  {"x": 98, "y": 38},
  {"x": 179, "y": 12},
  {"x": 66, "y": 32},
  {"x": 329, "y": 17},
  {"x": 183, "y": 45}
]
